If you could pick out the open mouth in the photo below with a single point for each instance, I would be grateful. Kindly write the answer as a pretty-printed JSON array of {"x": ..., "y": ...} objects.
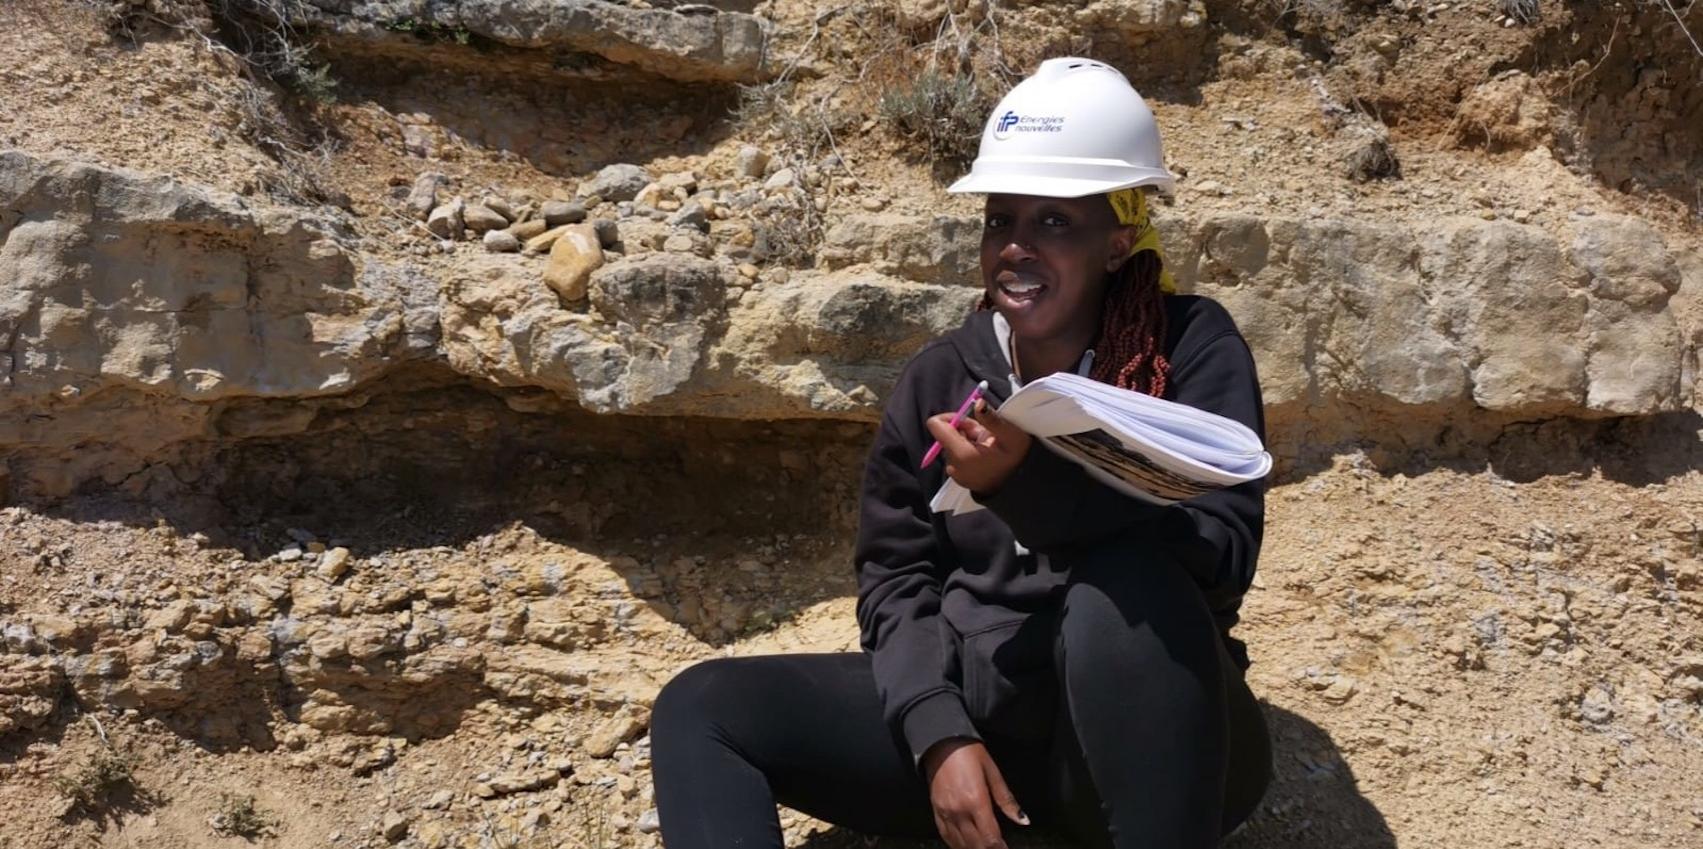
[{"x": 1017, "y": 286}]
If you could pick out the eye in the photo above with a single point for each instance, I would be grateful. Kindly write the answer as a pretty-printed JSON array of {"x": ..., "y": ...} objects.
[
  {"x": 995, "y": 220},
  {"x": 1053, "y": 219}
]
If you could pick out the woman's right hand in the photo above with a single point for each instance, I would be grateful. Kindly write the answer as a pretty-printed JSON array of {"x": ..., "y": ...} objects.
[{"x": 964, "y": 785}]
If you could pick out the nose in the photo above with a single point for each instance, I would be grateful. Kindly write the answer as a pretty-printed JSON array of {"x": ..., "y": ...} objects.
[{"x": 1017, "y": 249}]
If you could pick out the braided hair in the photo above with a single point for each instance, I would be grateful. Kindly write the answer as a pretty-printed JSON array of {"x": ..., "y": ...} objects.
[{"x": 1130, "y": 351}]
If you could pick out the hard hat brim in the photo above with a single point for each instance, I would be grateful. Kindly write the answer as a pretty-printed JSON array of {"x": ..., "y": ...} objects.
[{"x": 1053, "y": 186}]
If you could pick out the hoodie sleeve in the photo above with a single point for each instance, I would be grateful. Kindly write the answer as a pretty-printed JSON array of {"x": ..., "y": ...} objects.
[
  {"x": 1050, "y": 503},
  {"x": 899, "y": 578}
]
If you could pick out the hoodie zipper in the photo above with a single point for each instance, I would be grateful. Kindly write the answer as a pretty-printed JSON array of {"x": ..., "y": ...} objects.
[{"x": 1002, "y": 340}]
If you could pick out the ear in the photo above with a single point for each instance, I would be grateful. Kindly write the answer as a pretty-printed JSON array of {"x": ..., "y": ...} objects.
[{"x": 1118, "y": 248}]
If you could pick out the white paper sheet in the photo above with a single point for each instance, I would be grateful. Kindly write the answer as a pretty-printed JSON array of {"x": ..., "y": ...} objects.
[{"x": 1157, "y": 451}]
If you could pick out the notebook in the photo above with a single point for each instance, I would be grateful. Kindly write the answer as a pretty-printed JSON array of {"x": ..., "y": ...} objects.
[{"x": 1148, "y": 448}]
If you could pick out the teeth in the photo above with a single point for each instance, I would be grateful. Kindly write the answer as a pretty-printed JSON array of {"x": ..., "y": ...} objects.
[{"x": 1021, "y": 288}]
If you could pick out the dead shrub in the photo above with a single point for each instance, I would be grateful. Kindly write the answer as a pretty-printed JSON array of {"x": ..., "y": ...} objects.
[
  {"x": 261, "y": 40},
  {"x": 241, "y": 816},
  {"x": 943, "y": 112},
  {"x": 104, "y": 777}
]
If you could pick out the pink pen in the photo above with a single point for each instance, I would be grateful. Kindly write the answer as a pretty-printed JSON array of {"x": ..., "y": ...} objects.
[{"x": 976, "y": 393}]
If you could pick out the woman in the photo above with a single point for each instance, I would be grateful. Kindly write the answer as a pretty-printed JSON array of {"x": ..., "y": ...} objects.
[{"x": 1065, "y": 651}]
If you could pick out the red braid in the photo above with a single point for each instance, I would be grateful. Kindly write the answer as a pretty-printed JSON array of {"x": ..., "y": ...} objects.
[
  {"x": 1131, "y": 350},
  {"x": 1130, "y": 353}
]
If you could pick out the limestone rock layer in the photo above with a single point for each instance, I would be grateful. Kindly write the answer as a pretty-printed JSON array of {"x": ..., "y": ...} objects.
[{"x": 139, "y": 312}]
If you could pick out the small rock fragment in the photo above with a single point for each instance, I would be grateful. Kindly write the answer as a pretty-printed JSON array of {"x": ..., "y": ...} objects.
[
  {"x": 650, "y": 822},
  {"x": 431, "y": 835},
  {"x": 618, "y": 182},
  {"x": 499, "y": 205},
  {"x": 573, "y": 257},
  {"x": 686, "y": 241},
  {"x": 483, "y": 219},
  {"x": 1341, "y": 690},
  {"x": 691, "y": 215},
  {"x": 780, "y": 179},
  {"x": 751, "y": 162},
  {"x": 394, "y": 826},
  {"x": 559, "y": 212},
  {"x": 1374, "y": 159},
  {"x": 334, "y": 564},
  {"x": 423, "y": 198},
  {"x": 528, "y": 229},
  {"x": 523, "y": 782},
  {"x": 680, "y": 180},
  {"x": 649, "y": 196},
  {"x": 501, "y": 241},
  {"x": 543, "y": 241},
  {"x": 608, "y": 232},
  {"x": 446, "y": 221},
  {"x": 613, "y": 732}
]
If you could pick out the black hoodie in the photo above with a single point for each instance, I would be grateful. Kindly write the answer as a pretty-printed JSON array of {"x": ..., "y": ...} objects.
[{"x": 942, "y": 599}]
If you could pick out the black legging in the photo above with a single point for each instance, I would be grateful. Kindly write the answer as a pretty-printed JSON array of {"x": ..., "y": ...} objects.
[{"x": 1170, "y": 737}]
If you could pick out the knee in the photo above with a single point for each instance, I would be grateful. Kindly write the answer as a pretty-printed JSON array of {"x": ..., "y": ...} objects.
[
  {"x": 694, "y": 697},
  {"x": 1125, "y": 605}
]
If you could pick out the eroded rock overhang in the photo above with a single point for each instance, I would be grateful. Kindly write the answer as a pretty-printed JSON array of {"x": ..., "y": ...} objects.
[
  {"x": 697, "y": 43},
  {"x": 138, "y": 313}
]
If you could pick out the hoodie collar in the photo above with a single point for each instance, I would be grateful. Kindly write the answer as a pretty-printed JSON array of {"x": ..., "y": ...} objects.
[{"x": 984, "y": 344}]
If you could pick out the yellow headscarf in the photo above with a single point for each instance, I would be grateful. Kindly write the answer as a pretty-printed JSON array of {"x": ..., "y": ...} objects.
[{"x": 1131, "y": 207}]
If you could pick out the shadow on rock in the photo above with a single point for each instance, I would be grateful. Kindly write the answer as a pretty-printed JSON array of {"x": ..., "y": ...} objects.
[
  {"x": 1313, "y": 800},
  {"x": 1631, "y": 450}
]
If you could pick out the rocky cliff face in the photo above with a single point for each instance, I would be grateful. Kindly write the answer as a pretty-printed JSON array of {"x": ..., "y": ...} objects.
[
  {"x": 165, "y": 307},
  {"x": 395, "y": 393}
]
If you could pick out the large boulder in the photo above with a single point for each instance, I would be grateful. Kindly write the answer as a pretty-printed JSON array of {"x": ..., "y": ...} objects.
[
  {"x": 124, "y": 296},
  {"x": 1479, "y": 315}
]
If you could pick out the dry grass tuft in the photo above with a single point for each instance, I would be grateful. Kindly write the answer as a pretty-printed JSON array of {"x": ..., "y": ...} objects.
[
  {"x": 103, "y": 778},
  {"x": 241, "y": 816}
]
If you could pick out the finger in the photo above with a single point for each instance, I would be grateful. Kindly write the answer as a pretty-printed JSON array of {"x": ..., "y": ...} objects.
[
  {"x": 944, "y": 829},
  {"x": 987, "y": 831},
  {"x": 992, "y": 420},
  {"x": 1002, "y": 795},
  {"x": 951, "y": 441},
  {"x": 954, "y": 834},
  {"x": 974, "y": 432}
]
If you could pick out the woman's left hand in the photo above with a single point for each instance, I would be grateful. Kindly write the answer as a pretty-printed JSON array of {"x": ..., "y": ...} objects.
[{"x": 981, "y": 452}]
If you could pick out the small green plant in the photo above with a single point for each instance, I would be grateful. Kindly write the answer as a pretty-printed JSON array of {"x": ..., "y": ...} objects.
[
  {"x": 430, "y": 30},
  {"x": 944, "y": 112},
  {"x": 103, "y": 777},
  {"x": 316, "y": 83},
  {"x": 241, "y": 816}
]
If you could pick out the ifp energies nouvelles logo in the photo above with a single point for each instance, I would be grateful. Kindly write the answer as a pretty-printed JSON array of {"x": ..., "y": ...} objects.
[{"x": 1011, "y": 122}]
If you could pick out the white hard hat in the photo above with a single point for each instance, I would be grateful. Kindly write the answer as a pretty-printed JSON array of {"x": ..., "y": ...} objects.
[{"x": 1074, "y": 128}]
